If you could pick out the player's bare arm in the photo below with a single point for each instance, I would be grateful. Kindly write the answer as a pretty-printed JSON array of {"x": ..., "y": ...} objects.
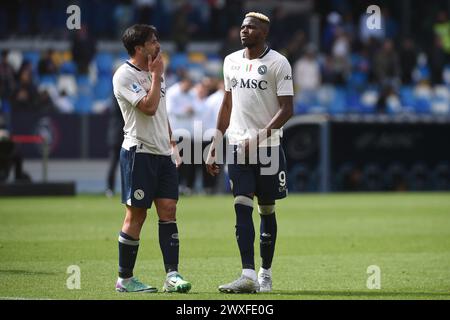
[
  {"x": 149, "y": 104},
  {"x": 223, "y": 121}
]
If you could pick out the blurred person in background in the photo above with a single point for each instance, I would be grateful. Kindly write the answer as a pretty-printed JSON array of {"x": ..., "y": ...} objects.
[
  {"x": 386, "y": 64},
  {"x": 441, "y": 29},
  {"x": 114, "y": 142},
  {"x": 209, "y": 119},
  {"x": 144, "y": 10},
  {"x": 10, "y": 156},
  {"x": 232, "y": 42},
  {"x": 340, "y": 52},
  {"x": 438, "y": 58},
  {"x": 307, "y": 77},
  {"x": 408, "y": 54},
  {"x": 181, "y": 112},
  {"x": 84, "y": 48},
  {"x": 46, "y": 65},
  {"x": 25, "y": 95},
  {"x": 200, "y": 93},
  {"x": 7, "y": 77},
  {"x": 123, "y": 15}
]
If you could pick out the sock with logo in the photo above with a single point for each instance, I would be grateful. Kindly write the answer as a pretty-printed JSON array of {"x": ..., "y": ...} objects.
[
  {"x": 245, "y": 230},
  {"x": 169, "y": 243},
  {"x": 268, "y": 236},
  {"x": 128, "y": 249}
]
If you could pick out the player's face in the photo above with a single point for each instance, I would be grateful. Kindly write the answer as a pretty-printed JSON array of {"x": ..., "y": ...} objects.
[
  {"x": 151, "y": 47},
  {"x": 252, "y": 32}
]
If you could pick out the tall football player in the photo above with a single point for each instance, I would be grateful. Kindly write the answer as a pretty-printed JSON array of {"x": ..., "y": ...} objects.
[{"x": 258, "y": 101}]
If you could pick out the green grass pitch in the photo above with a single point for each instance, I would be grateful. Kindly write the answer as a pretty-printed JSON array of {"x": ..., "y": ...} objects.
[{"x": 325, "y": 245}]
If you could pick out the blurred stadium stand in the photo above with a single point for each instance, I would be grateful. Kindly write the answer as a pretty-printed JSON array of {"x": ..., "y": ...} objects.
[{"x": 401, "y": 73}]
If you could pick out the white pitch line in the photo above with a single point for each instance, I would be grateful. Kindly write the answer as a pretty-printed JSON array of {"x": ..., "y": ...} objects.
[{"x": 22, "y": 298}]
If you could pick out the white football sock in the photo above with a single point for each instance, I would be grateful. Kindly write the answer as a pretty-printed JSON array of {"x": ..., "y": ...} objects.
[
  {"x": 249, "y": 273},
  {"x": 123, "y": 280},
  {"x": 265, "y": 271}
]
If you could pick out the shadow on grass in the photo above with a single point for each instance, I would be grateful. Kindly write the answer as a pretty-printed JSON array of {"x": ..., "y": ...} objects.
[
  {"x": 27, "y": 273},
  {"x": 373, "y": 293}
]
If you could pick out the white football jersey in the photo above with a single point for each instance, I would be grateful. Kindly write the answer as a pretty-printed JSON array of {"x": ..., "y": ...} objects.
[
  {"x": 255, "y": 85},
  {"x": 149, "y": 133}
]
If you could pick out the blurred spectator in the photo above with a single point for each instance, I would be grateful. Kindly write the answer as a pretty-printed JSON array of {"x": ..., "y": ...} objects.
[
  {"x": 10, "y": 156},
  {"x": 421, "y": 71},
  {"x": 25, "y": 95},
  {"x": 296, "y": 46},
  {"x": 232, "y": 43},
  {"x": 213, "y": 103},
  {"x": 200, "y": 93},
  {"x": 44, "y": 101},
  {"x": 182, "y": 28},
  {"x": 442, "y": 29},
  {"x": 386, "y": 65},
  {"x": 341, "y": 57},
  {"x": 386, "y": 100},
  {"x": 307, "y": 76},
  {"x": 123, "y": 16},
  {"x": 114, "y": 142},
  {"x": 83, "y": 49},
  {"x": 408, "y": 53},
  {"x": 438, "y": 60},
  {"x": 7, "y": 81},
  {"x": 278, "y": 37},
  {"x": 181, "y": 113},
  {"x": 217, "y": 22},
  {"x": 46, "y": 65},
  {"x": 144, "y": 10},
  {"x": 333, "y": 24}
]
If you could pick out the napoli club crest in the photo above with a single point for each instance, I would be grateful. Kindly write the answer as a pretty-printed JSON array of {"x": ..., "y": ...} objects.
[{"x": 262, "y": 69}]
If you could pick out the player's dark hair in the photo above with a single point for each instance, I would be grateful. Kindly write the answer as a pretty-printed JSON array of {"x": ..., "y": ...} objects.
[{"x": 137, "y": 35}]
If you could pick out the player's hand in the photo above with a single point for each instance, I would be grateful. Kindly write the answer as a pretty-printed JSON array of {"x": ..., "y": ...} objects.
[
  {"x": 211, "y": 167},
  {"x": 156, "y": 66},
  {"x": 176, "y": 156}
]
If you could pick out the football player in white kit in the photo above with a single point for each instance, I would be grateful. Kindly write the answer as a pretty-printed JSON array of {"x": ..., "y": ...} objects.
[
  {"x": 147, "y": 170},
  {"x": 258, "y": 101}
]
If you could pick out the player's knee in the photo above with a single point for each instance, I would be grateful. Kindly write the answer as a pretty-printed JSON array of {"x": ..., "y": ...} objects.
[
  {"x": 266, "y": 209},
  {"x": 168, "y": 212}
]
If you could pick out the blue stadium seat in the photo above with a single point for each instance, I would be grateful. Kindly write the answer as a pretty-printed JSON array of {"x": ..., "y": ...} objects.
[
  {"x": 338, "y": 104},
  {"x": 33, "y": 57},
  {"x": 104, "y": 62},
  {"x": 83, "y": 104},
  {"x": 407, "y": 96},
  {"x": 422, "y": 105},
  {"x": 68, "y": 67},
  {"x": 48, "y": 79},
  {"x": 179, "y": 60},
  {"x": 103, "y": 88},
  {"x": 84, "y": 85}
]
